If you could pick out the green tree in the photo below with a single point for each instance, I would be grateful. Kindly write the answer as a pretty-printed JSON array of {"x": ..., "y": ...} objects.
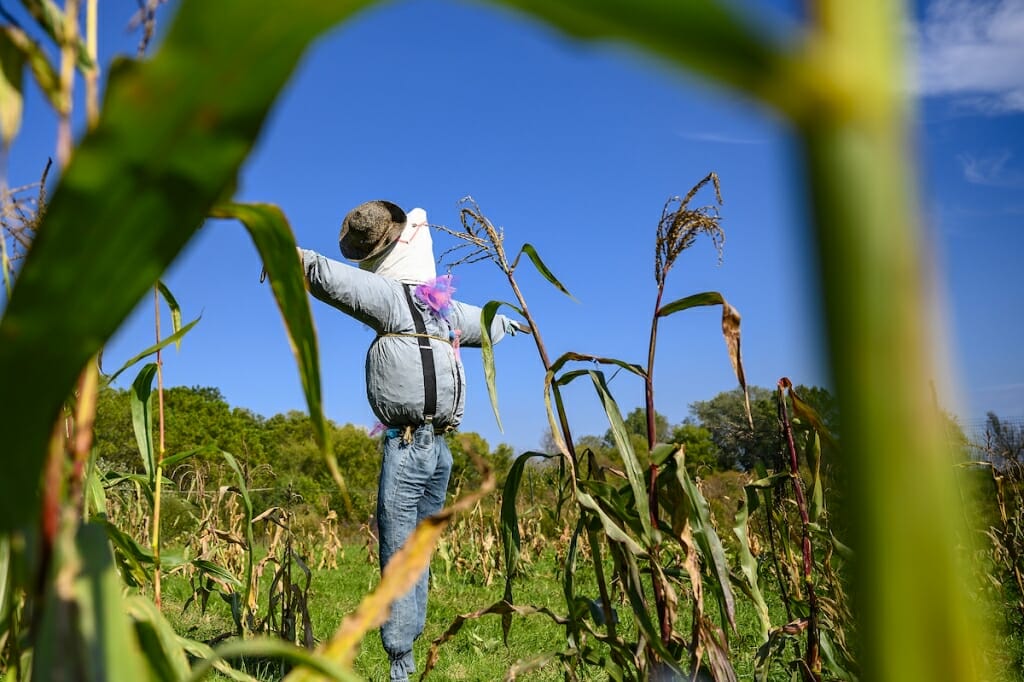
[
  {"x": 114, "y": 439},
  {"x": 358, "y": 456},
  {"x": 199, "y": 416},
  {"x": 636, "y": 424},
  {"x": 465, "y": 473},
  {"x": 702, "y": 454},
  {"x": 739, "y": 445},
  {"x": 294, "y": 460}
]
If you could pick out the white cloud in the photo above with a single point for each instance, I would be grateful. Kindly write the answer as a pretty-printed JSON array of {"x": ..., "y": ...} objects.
[
  {"x": 991, "y": 170},
  {"x": 973, "y": 49},
  {"x": 721, "y": 138}
]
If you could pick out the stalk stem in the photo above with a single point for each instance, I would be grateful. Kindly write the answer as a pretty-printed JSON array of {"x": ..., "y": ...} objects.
[
  {"x": 69, "y": 41},
  {"x": 159, "y": 468},
  {"x": 535, "y": 332},
  {"x": 80, "y": 444},
  {"x": 812, "y": 657},
  {"x": 92, "y": 109},
  {"x": 85, "y": 419},
  {"x": 652, "y": 486}
]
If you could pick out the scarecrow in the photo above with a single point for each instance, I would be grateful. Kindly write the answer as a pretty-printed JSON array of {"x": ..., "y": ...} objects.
[{"x": 414, "y": 377}]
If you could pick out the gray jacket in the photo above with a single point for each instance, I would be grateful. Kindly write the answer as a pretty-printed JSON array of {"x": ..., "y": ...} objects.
[{"x": 394, "y": 366}]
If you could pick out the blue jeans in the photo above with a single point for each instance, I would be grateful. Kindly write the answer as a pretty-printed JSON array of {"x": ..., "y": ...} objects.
[{"x": 413, "y": 483}]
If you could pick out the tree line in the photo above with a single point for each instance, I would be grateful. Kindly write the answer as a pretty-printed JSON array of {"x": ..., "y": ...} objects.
[
  {"x": 279, "y": 455},
  {"x": 283, "y": 464}
]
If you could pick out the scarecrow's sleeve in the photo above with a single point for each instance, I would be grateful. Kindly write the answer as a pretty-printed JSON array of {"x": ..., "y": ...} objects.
[
  {"x": 367, "y": 297},
  {"x": 467, "y": 318}
]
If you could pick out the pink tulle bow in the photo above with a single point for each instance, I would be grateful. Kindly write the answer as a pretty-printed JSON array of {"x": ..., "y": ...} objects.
[{"x": 437, "y": 295}]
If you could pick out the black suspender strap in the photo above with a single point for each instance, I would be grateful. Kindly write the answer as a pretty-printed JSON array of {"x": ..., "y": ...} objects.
[{"x": 427, "y": 355}]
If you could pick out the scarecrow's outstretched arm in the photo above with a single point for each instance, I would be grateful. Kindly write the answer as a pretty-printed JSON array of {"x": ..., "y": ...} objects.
[
  {"x": 467, "y": 318},
  {"x": 369, "y": 298}
]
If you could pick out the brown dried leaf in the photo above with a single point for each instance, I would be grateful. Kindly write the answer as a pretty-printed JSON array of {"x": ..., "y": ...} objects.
[
  {"x": 731, "y": 332},
  {"x": 500, "y": 608}
]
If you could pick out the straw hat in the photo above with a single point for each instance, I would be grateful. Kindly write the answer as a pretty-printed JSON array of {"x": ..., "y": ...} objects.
[{"x": 369, "y": 229}]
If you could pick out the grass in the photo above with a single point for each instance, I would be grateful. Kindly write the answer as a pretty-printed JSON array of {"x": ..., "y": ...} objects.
[{"x": 476, "y": 653}]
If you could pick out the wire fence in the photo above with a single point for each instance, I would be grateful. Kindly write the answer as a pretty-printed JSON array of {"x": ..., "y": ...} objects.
[{"x": 994, "y": 442}]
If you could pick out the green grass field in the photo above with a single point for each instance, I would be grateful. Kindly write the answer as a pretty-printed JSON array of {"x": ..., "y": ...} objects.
[{"x": 477, "y": 652}]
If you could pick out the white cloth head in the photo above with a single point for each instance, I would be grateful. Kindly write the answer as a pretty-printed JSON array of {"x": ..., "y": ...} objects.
[{"x": 411, "y": 259}]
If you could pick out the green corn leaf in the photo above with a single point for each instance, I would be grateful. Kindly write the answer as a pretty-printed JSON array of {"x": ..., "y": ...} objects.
[
  {"x": 85, "y": 632},
  {"x": 582, "y": 357},
  {"x": 40, "y": 67},
  {"x": 510, "y": 539},
  {"x": 272, "y": 235},
  {"x": 243, "y": 490},
  {"x": 112, "y": 479},
  {"x": 634, "y": 472},
  {"x": 768, "y": 482},
  {"x": 270, "y": 231},
  {"x": 747, "y": 562},
  {"x": 12, "y": 62},
  {"x": 569, "y": 575},
  {"x": 707, "y": 540},
  {"x": 707, "y": 36},
  {"x": 829, "y": 658},
  {"x": 54, "y": 22},
  {"x": 541, "y": 268},
  {"x": 175, "y": 309},
  {"x": 601, "y": 607},
  {"x": 134, "y": 559},
  {"x": 550, "y": 380},
  {"x": 179, "y": 457},
  {"x": 616, "y": 501},
  {"x": 175, "y": 338},
  {"x": 234, "y": 602},
  {"x": 611, "y": 528},
  {"x": 142, "y": 417},
  {"x": 841, "y": 549},
  {"x": 662, "y": 452},
  {"x": 6, "y": 582},
  {"x": 487, "y": 314},
  {"x": 773, "y": 648},
  {"x": 812, "y": 453},
  {"x": 693, "y": 301},
  {"x": 217, "y": 572},
  {"x": 730, "y": 332},
  {"x": 170, "y": 561},
  {"x": 810, "y": 416},
  {"x": 160, "y": 644},
  {"x": 205, "y": 652},
  {"x": 172, "y": 135},
  {"x": 634, "y": 588},
  {"x": 566, "y": 378},
  {"x": 267, "y": 647},
  {"x": 95, "y": 497}
]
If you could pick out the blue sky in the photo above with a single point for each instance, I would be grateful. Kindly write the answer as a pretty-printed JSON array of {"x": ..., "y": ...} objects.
[{"x": 575, "y": 148}]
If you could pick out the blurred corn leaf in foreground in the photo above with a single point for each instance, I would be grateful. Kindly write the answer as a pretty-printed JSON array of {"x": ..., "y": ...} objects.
[
  {"x": 173, "y": 133},
  {"x": 840, "y": 84},
  {"x": 273, "y": 237}
]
